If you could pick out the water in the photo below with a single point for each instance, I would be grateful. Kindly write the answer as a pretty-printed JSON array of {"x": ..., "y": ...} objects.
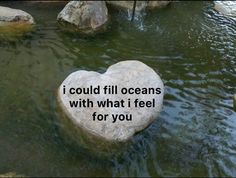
[{"x": 190, "y": 45}]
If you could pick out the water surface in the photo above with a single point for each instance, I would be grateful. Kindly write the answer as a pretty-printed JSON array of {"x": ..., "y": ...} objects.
[{"x": 191, "y": 46}]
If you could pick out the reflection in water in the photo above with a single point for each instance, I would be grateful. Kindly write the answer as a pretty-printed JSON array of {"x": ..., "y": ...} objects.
[{"x": 190, "y": 45}]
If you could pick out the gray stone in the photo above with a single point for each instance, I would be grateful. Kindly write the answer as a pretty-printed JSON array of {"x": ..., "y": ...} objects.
[
  {"x": 140, "y": 5},
  {"x": 226, "y": 7},
  {"x": 85, "y": 16},
  {"x": 8, "y": 15},
  {"x": 14, "y": 23},
  {"x": 127, "y": 74},
  {"x": 157, "y": 4},
  {"x": 128, "y": 5}
]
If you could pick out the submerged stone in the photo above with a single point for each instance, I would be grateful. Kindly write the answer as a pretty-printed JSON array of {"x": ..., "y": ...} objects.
[
  {"x": 10, "y": 174},
  {"x": 99, "y": 127},
  {"x": 84, "y": 16}
]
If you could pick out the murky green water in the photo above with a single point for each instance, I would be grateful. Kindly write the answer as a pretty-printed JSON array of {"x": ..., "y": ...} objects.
[{"x": 191, "y": 46}]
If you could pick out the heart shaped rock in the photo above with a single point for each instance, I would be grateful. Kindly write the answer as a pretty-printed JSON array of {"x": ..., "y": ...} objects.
[{"x": 138, "y": 78}]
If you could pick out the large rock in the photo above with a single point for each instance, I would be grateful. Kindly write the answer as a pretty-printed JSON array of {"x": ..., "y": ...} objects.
[
  {"x": 8, "y": 15},
  {"x": 14, "y": 22},
  {"x": 226, "y": 7},
  {"x": 85, "y": 16},
  {"x": 140, "y": 5},
  {"x": 79, "y": 121}
]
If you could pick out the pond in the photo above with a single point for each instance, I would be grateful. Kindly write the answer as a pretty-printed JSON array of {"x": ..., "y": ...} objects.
[{"x": 192, "y": 48}]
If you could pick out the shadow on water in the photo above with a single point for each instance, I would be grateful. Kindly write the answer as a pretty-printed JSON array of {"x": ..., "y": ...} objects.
[{"x": 190, "y": 45}]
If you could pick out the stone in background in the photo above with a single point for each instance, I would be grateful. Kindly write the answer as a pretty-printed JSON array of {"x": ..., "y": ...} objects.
[{"x": 84, "y": 16}]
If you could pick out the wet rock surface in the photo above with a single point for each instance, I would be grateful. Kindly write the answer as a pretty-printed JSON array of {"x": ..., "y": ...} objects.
[
  {"x": 126, "y": 74},
  {"x": 85, "y": 16},
  {"x": 8, "y": 15}
]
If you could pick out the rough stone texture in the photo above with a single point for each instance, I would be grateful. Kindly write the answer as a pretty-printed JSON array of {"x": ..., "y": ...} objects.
[
  {"x": 124, "y": 74},
  {"x": 86, "y": 16},
  {"x": 128, "y": 5},
  {"x": 226, "y": 7},
  {"x": 14, "y": 15},
  {"x": 157, "y": 4},
  {"x": 140, "y": 5}
]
